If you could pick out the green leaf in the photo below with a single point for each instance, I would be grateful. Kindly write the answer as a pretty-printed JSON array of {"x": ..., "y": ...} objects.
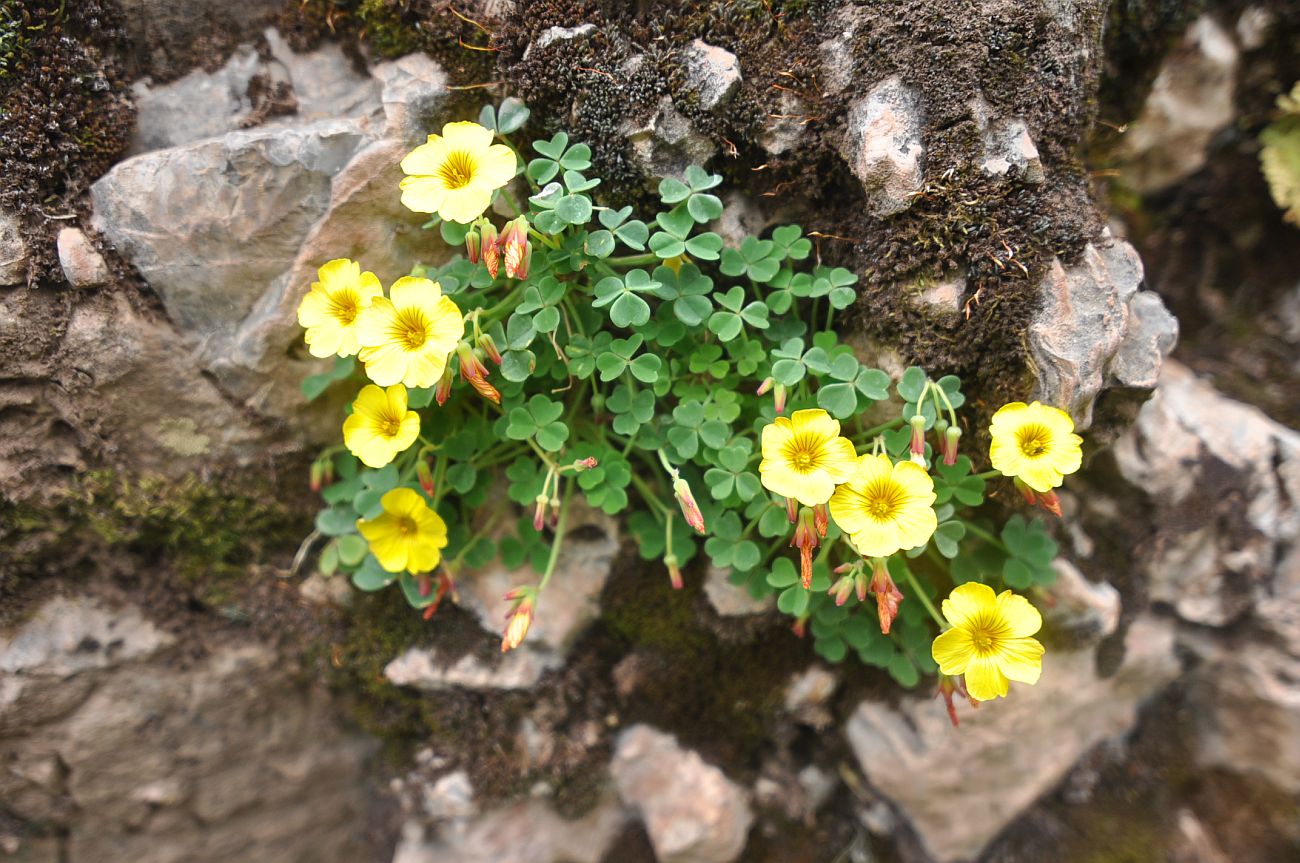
[
  {"x": 512, "y": 115},
  {"x": 726, "y": 325},
  {"x": 911, "y": 386},
  {"x": 599, "y": 244},
  {"x": 947, "y": 536},
  {"x": 371, "y": 576},
  {"x": 553, "y": 148},
  {"x": 903, "y": 670},
  {"x": 704, "y": 208},
  {"x": 352, "y": 549},
  {"x": 783, "y": 573},
  {"x": 666, "y": 246},
  {"x": 793, "y": 600},
  {"x": 873, "y": 383},
  {"x": 336, "y": 521},
  {"x": 574, "y": 209},
  {"x": 706, "y": 246},
  {"x": 672, "y": 191},
  {"x": 839, "y": 400},
  {"x": 645, "y": 368},
  {"x": 576, "y": 158}
]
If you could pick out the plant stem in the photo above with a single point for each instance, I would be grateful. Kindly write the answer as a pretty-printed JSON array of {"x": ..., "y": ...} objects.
[
  {"x": 632, "y": 260},
  {"x": 925, "y": 600},
  {"x": 985, "y": 535},
  {"x": 559, "y": 536}
]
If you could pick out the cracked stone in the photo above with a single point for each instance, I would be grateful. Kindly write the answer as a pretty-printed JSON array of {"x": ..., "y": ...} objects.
[{"x": 883, "y": 146}]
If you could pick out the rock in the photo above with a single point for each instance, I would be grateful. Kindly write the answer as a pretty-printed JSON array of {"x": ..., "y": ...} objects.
[
  {"x": 526, "y": 832},
  {"x": 1007, "y": 145},
  {"x": 743, "y": 217},
  {"x": 413, "y": 90},
  {"x": 223, "y": 756},
  {"x": 166, "y": 33},
  {"x": 450, "y": 797},
  {"x": 692, "y": 812},
  {"x": 837, "y": 60},
  {"x": 423, "y": 668},
  {"x": 571, "y": 600},
  {"x": 786, "y": 127},
  {"x": 83, "y": 266},
  {"x": 1087, "y": 333},
  {"x": 13, "y": 251},
  {"x": 960, "y": 787},
  {"x": 200, "y": 105},
  {"x": 666, "y": 144},
  {"x": 732, "y": 600},
  {"x": 944, "y": 296},
  {"x": 1149, "y": 337},
  {"x": 712, "y": 74},
  {"x": 1253, "y": 27},
  {"x": 1088, "y": 610},
  {"x": 1193, "y": 843},
  {"x": 553, "y": 35},
  {"x": 1224, "y": 480},
  {"x": 325, "y": 83},
  {"x": 321, "y": 589},
  {"x": 1190, "y": 101},
  {"x": 807, "y": 696},
  {"x": 883, "y": 147}
]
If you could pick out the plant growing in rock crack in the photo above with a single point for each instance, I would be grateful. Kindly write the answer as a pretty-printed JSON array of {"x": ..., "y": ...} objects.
[{"x": 701, "y": 392}]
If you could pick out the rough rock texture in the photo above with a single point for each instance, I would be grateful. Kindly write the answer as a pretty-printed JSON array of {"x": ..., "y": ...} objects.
[
  {"x": 1096, "y": 329},
  {"x": 665, "y": 144},
  {"x": 960, "y": 787},
  {"x": 1190, "y": 101},
  {"x": 883, "y": 146},
  {"x": 692, "y": 812},
  {"x": 13, "y": 251},
  {"x": 82, "y": 264},
  {"x": 114, "y": 749},
  {"x": 711, "y": 73},
  {"x": 423, "y": 668},
  {"x": 732, "y": 600}
]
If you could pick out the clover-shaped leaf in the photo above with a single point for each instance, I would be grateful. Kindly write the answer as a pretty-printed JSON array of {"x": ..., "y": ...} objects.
[
  {"x": 631, "y": 410},
  {"x": 732, "y": 475},
  {"x": 753, "y": 259},
  {"x": 540, "y": 420},
  {"x": 788, "y": 242},
  {"x": 687, "y": 289},
  {"x": 956, "y": 482}
]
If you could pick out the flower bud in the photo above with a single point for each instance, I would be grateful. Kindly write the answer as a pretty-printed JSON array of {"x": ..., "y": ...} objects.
[
  {"x": 842, "y": 589},
  {"x": 517, "y": 628},
  {"x": 861, "y": 584},
  {"x": 765, "y": 387},
  {"x": 805, "y": 539},
  {"x": 674, "y": 571},
  {"x": 821, "y": 519},
  {"x": 317, "y": 476},
  {"x": 518, "y": 252},
  {"x": 918, "y": 435},
  {"x": 475, "y": 373},
  {"x": 539, "y": 513},
  {"x": 491, "y": 249},
  {"x": 792, "y": 509},
  {"x": 327, "y": 471},
  {"x": 917, "y": 459},
  {"x": 778, "y": 398},
  {"x": 690, "y": 509},
  {"x": 951, "y": 438},
  {"x": 442, "y": 391},
  {"x": 1050, "y": 502},
  {"x": 425, "y": 476},
  {"x": 888, "y": 596},
  {"x": 585, "y": 464},
  {"x": 489, "y": 346},
  {"x": 473, "y": 244},
  {"x": 424, "y": 584}
]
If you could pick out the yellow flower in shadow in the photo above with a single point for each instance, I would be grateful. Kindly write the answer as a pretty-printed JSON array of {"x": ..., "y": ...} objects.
[
  {"x": 1036, "y": 443},
  {"x": 455, "y": 174},
  {"x": 989, "y": 641},
  {"x": 408, "y": 535},
  {"x": 331, "y": 309},
  {"x": 407, "y": 336},
  {"x": 885, "y": 507},
  {"x": 380, "y": 425}
]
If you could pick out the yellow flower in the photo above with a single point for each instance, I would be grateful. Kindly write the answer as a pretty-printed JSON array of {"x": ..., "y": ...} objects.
[
  {"x": 455, "y": 174},
  {"x": 804, "y": 457},
  {"x": 380, "y": 425},
  {"x": 407, "y": 535},
  {"x": 407, "y": 336},
  {"x": 990, "y": 640},
  {"x": 885, "y": 507},
  {"x": 1036, "y": 443},
  {"x": 330, "y": 311}
]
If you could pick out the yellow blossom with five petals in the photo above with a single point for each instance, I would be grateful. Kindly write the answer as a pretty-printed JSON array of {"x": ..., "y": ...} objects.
[
  {"x": 455, "y": 174},
  {"x": 380, "y": 426},
  {"x": 408, "y": 535},
  {"x": 885, "y": 507},
  {"x": 407, "y": 336},
  {"x": 989, "y": 641},
  {"x": 1036, "y": 443},
  {"x": 804, "y": 456},
  {"x": 331, "y": 309}
]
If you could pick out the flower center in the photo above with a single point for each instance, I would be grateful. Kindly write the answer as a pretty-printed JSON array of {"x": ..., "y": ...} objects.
[
  {"x": 344, "y": 306},
  {"x": 456, "y": 170},
  {"x": 803, "y": 452},
  {"x": 406, "y": 525},
  {"x": 391, "y": 426},
  {"x": 1033, "y": 440},
  {"x": 410, "y": 329},
  {"x": 986, "y": 634},
  {"x": 882, "y": 500}
]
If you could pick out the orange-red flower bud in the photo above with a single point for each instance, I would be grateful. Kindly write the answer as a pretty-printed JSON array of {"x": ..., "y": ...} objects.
[
  {"x": 516, "y": 249},
  {"x": 951, "y": 438},
  {"x": 317, "y": 476},
  {"x": 473, "y": 244},
  {"x": 517, "y": 628},
  {"x": 888, "y": 596},
  {"x": 842, "y": 589},
  {"x": 918, "y": 435},
  {"x": 765, "y": 387},
  {"x": 539, "y": 512},
  {"x": 778, "y": 398},
  {"x": 442, "y": 391},
  {"x": 489, "y": 346},
  {"x": 491, "y": 249},
  {"x": 425, "y": 476},
  {"x": 690, "y": 509},
  {"x": 674, "y": 572},
  {"x": 821, "y": 519},
  {"x": 805, "y": 539}
]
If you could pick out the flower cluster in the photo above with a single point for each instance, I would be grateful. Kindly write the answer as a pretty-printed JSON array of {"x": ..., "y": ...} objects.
[{"x": 698, "y": 391}]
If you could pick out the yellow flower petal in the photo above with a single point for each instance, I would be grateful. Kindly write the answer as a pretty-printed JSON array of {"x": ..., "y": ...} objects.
[
  {"x": 409, "y": 291},
  {"x": 953, "y": 651},
  {"x": 466, "y": 135},
  {"x": 1035, "y": 443},
  {"x": 467, "y": 203},
  {"x": 426, "y": 159},
  {"x": 499, "y": 166},
  {"x": 1020, "y": 659},
  {"x": 1022, "y": 619},
  {"x": 984, "y": 680},
  {"x": 408, "y": 535},
  {"x": 968, "y": 602},
  {"x": 804, "y": 457},
  {"x": 422, "y": 194}
]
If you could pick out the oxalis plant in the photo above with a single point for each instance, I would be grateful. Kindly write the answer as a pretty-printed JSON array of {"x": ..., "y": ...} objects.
[{"x": 698, "y": 392}]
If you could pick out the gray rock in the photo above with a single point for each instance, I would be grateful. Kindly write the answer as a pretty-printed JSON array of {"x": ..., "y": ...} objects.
[
  {"x": 732, "y": 600},
  {"x": 1225, "y": 480},
  {"x": 13, "y": 251},
  {"x": 691, "y": 810},
  {"x": 882, "y": 145},
  {"x": 1007, "y": 145},
  {"x": 166, "y": 32},
  {"x": 67, "y": 636},
  {"x": 712, "y": 73},
  {"x": 552, "y": 35},
  {"x": 450, "y": 797},
  {"x": 413, "y": 90},
  {"x": 1190, "y": 101},
  {"x": 666, "y": 144},
  {"x": 807, "y": 696},
  {"x": 424, "y": 668},
  {"x": 1087, "y": 321},
  {"x": 83, "y": 265},
  {"x": 944, "y": 296},
  {"x": 786, "y": 127},
  {"x": 1088, "y": 610},
  {"x": 837, "y": 59},
  {"x": 199, "y": 105},
  {"x": 960, "y": 787},
  {"x": 743, "y": 216},
  {"x": 325, "y": 82},
  {"x": 525, "y": 832}
]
